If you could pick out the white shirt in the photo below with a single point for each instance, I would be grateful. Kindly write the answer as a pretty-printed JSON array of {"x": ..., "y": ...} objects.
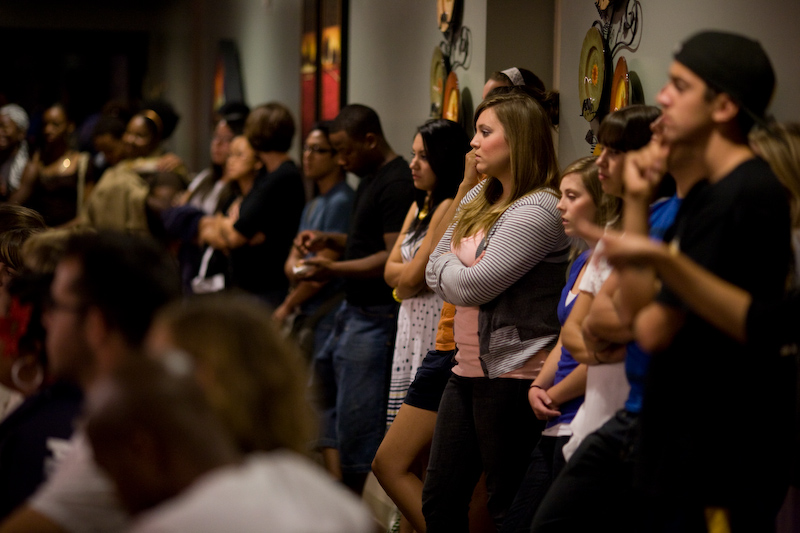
[
  {"x": 278, "y": 491},
  {"x": 606, "y": 385},
  {"x": 79, "y": 496}
]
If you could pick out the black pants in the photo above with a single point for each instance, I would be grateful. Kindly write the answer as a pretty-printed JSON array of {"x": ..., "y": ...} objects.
[
  {"x": 547, "y": 461},
  {"x": 483, "y": 425},
  {"x": 594, "y": 491}
]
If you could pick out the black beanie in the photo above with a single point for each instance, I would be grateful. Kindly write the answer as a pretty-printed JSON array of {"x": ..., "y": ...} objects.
[{"x": 732, "y": 64}]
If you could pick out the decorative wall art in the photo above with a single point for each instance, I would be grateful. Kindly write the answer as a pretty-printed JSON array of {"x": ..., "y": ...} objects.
[
  {"x": 603, "y": 87},
  {"x": 227, "y": 75},
  {"x": 323, "y": 67},
  {"x": 453, "y": 52},
  {"x": 308, "y": 67}
]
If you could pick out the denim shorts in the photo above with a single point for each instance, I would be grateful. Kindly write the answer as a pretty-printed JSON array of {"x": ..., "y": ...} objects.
[
  {"x": 351, "y": 377},
  {"x": 426, "y": 390}
]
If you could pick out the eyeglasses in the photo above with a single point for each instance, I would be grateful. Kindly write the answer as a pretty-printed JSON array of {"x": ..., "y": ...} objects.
[{"x": 314, "y": 149}]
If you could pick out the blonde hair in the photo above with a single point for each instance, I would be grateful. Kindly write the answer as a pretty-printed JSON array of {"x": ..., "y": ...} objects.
[
  {"x": 532, "y": 160},
  {"x": 607, "y": 206},
  {"x": 779, "y": 145},
  {"x": 253, "y": 379}
]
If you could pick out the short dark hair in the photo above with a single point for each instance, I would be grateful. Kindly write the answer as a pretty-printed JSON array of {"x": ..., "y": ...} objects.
[
  {"x": 270, "y": 128},
  {"x": 110, "y": 124},
  {"x": 628, "y": 128},
  {"x": 325, "y": 126},
  {"x": 235, "y": 115},
  {"x": 357, "y": 121},
  {"x": 127, "y": 277}
]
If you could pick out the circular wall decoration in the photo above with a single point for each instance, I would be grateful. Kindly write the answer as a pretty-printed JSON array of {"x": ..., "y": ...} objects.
[
  {"x": 452, "y": 100},
  {"x": 620, "y": 86},
  {"x": 591, "y": 73},
  {"x": 438, "y": 75}
]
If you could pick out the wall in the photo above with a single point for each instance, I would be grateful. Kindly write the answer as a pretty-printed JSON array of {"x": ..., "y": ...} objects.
[
  {"x": 267, "y": 34},
  {"x": 520, "y": 34},
  {"x": 663, "y": 25},
  {"x": 390, "y": 49}
]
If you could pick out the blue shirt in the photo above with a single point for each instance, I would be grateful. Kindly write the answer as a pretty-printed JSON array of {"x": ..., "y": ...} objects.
[
  {"x": 567, "y": 364},
  {"x": 637, "y": 361},
  {"x": 329, "y": 212}
]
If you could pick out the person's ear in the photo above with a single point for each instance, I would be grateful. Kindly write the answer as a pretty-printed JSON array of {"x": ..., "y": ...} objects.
[
  {"x": 724, "y": 108},
  {"x": 371, "y": 140}
]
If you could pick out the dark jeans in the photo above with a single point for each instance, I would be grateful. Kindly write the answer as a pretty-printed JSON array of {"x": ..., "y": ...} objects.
[
  {"x": 594, "y": 491},
  {"x": 547, "y": 461},
  {"x": 352, "y": 378},
  {"x": 483, "y": 425}
]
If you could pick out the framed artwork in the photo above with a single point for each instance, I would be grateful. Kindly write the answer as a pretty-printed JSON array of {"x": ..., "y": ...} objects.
[
  {"x": 323, "y": 69},
  {"x": 227, "y": 75}
]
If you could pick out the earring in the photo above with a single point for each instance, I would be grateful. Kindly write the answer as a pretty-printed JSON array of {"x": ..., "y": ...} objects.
[{"x": 27, "y": 374}]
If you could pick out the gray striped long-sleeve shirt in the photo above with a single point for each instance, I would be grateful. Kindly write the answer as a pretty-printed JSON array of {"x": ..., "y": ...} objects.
[{"x": 528, "y": 235}]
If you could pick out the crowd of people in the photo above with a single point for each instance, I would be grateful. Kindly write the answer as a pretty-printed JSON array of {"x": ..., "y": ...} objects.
[{"x": 506, "y": 343}]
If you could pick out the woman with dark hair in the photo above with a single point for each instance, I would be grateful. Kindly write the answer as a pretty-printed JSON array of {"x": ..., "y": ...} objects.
[
  {"x": 120, "y": 199},
  {"x": 206, "y": 194},
  {"x": 437, "y": 167},
  {"x": 208, "y": 188},
  {"x": 623, "y": 131},
  {"x": 56, "y": 180}
]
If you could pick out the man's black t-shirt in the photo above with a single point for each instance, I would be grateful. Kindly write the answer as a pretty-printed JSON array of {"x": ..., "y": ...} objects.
[
  {"x": 713, "y": 426},
  {"x": 382, "y": 201}
]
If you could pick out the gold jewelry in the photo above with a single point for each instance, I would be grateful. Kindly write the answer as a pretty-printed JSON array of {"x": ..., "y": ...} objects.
[
  {"x": 394, "y": 295},
  {"x": 424, "y": 211}
]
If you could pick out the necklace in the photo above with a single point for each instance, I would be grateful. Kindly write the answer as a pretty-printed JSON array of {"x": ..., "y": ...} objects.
[{"x": 424, "y": 211}]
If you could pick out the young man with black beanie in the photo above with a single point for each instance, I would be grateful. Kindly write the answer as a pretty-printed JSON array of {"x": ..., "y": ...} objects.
[{"x": 714, "y": 438}]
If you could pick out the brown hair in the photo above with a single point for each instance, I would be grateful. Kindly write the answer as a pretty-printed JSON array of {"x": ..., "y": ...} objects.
[
  {"x": 254, "y": 380},
  {"x": 533, "y": 162},
  {"x": 17, "y": 224},
  {"x": 779, "y": 145},
  {"x": 270, "y": 128}
]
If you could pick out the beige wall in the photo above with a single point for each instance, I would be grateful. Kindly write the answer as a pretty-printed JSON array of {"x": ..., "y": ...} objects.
[
  {"x": 663, "y": 25},
  {"x": 520, "y": 34},
  {"x": 390, "y": 48}
]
